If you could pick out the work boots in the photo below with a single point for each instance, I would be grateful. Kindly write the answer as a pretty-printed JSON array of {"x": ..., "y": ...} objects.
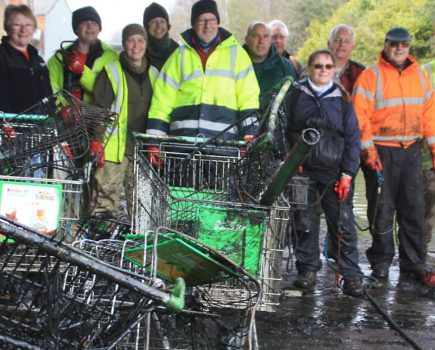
[
  {"x": 353, "y": 286},
  {"x": 305, "y": 280},
  {"x": 381, "y": 269}
]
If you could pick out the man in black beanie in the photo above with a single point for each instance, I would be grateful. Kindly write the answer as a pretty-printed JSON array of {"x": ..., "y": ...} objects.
[
  {"x": 160, "y": 45},
  {"x": 206, "y": 86},
  {"x": 75, "y": 68}
]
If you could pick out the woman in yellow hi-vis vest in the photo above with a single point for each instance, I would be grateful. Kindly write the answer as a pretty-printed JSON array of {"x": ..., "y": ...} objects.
[{"x": 126, "y": 87}]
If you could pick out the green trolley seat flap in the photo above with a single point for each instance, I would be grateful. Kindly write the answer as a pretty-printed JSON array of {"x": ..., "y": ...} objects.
[{"x": 236, "y": 233}]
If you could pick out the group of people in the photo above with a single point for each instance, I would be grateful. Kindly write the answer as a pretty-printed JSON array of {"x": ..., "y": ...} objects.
[{"x": 211, "y": 85}]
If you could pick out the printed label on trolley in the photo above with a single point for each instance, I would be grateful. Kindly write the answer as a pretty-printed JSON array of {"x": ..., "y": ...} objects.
[{"x": 35, "y": 205}]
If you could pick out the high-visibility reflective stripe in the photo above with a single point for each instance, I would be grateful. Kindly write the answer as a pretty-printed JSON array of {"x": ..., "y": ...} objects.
[
  {"x": 153, "y": 73},
  {"x": 233, "y": 58},
  {"x": 428, "y": 69},
  {"x": 194, "y": 75},
  {"x": 228, "y": 73},
  {"x": 399, "y": 101},
  {"x": 201, "y": 124},
  {"x": 378, "y": 95},
  {"x": 430, "y": 140},
  {"x": 219, "y": 73},
  {"x": 367, "y": 94},
  {"x": 250, "y": 121},
  {"x": 182, "y": 53},
  {"x": 116, "y": 105},
  {"x": 396, "y": 138},
  {"x": 391, "y": 102},
  {"x": 367, "y": 144},
  {"x": 243, "y": 73},
  {"x": 422, "y": 79},
  {"x": 155, "y": 132},
  {"x": 168, "y": 80}
]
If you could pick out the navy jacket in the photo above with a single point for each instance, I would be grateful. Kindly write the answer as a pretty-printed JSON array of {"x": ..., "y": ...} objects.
[
  {"x": 327, "y": 112},
  {"x": 23, "y": 82}
]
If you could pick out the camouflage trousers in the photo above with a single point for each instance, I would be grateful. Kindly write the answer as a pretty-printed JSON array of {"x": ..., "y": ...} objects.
[{"x": 108, "y": 184}]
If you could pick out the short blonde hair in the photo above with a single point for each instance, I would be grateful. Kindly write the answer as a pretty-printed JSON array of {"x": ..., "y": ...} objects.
[{"x": 12, "y": 10}]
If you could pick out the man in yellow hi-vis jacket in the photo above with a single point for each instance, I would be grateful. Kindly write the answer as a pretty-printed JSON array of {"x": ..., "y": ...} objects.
[{"x": 207, "y": 84}]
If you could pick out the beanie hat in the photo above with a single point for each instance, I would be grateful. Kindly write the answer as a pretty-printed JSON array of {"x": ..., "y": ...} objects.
[
  {"x": 83, "y": 14},
  {"x": 398, "y": 34},
  {"x": 152, "y": 11},
  {"x": 132, "y": 29},
  {"x": 204, "y": 6}
]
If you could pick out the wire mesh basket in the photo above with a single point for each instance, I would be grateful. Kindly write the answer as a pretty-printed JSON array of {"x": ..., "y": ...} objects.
[
  {"x": 198, "y": 198},
  {"x": 51, "y": 136},
  {"x": 40, "y": 310}
]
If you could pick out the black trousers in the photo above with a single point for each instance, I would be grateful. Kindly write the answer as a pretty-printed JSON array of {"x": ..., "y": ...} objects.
[
  {"x": 340, "y": 222},
  {"x": 401, "y": 195}
]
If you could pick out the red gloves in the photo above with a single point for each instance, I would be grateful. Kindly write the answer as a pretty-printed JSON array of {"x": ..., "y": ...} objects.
[
  {"x": 153, "y": 155},
  {"x": 96, "y": 153},
  {"x": 67, "y": 150},
  {"x": 376, "y": 165},
  {"x": 69, "y": 115},
  {"x": 342, "y": 186},
  {"x": 76, "y": 62},
  {"x": 370, "y": 156},
  {"x": 8, "y": 132},
  {"x": 247, "y": 139}
]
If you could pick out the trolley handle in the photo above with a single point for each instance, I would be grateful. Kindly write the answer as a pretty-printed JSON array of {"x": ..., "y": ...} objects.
[
  {"x": 185, "y": 139},
  {"x": 27, "y": 117},
  {"x": 176, "y": 300},
  {"x": 266, "y": 141}
]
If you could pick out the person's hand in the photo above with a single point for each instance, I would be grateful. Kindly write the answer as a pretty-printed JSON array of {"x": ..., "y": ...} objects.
[
  {"x": 371, "y": 158},
  {"x": 153, "y": 154},
  {"x": 96, "y": 153},
  {"x": 342, "y": 186},
  {"x": 67, "y": 150},
  {"x": 75, "y": 62},
  {"x": 8, "y": 132},
  {"x": 247, "y": 139},
  {"x": 376, "y": 165},
  {"x": 69, "y": 116}
]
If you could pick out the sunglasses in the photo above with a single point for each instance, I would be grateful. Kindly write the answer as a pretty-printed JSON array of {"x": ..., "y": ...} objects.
[
  {"x": 397, "y": 43},
  {"x": 320, "y": 66}
]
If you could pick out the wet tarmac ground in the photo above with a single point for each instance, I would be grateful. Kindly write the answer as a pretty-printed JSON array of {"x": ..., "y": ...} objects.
[{"x": 326, "y": 319}]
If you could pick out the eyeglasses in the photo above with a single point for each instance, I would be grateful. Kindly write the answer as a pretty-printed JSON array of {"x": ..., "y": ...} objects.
[
  {"x": 26, "y": 26},
  {"x": 320, "y": 66},
  {"x": 203, "y": 22},
  {"x": 397, "y": 43}
]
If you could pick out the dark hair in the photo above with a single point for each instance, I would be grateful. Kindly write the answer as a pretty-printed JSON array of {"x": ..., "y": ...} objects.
[
  {"x": 12, "y": 10},
  {"x": 317, "y": 53},
  {"x": 327, "y": 52}
]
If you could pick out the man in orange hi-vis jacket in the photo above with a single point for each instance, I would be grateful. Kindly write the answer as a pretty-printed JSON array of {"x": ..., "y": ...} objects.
[{"x": 395, "y": 106}]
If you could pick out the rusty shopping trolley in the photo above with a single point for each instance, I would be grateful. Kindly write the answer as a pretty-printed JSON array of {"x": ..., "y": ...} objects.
[
  {"x": 61, "y": 305},
  {"x": 226, "y": 194}
]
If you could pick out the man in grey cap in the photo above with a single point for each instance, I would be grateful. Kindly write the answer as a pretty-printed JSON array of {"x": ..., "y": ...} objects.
[{"x": 395, "y": 106}]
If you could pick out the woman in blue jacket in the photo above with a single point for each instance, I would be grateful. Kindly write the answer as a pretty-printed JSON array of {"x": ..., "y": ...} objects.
[{"x": 317, "y": 102}]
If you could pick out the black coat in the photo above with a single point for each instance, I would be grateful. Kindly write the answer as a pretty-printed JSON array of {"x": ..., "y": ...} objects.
[{"x": 22, "y": 82}]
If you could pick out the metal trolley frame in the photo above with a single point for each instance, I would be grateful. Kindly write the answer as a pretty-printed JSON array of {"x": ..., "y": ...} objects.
[{"x": 187, "y": 186}]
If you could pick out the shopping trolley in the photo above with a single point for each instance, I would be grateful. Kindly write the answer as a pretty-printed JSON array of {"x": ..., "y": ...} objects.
[
  {"x": 164, "y": 256},
  {"x": 220, "y": 192},
  {"x": 61, "y": 305}
]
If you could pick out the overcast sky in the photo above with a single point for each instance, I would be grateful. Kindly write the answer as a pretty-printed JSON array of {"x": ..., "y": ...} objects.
[{"x": 115, "y": 15}]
